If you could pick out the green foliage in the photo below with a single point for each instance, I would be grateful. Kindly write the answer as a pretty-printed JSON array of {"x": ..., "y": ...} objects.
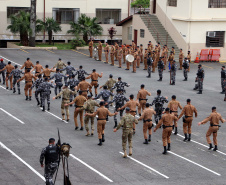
[
  {"x": 86, "y": 26},
  {"x": 77, "y": 42},
  {"x": 141, "y": 3}
]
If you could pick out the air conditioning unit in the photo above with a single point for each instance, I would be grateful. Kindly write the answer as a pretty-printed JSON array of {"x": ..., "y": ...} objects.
[{"x": 211, "y": 34}]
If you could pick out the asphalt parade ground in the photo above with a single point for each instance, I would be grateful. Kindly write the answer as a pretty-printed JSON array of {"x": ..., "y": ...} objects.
[{"x": 25, "y": 130}]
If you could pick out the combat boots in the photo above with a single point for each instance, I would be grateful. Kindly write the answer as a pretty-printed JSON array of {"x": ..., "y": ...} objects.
[
  {"x": 149, "y": 138},
  {"x": 29, "y": 98},
  {"x": 91, "y": 94},
  {"x": 200, "y": 92},
  {"x": 165, "y": 151},
  {"x": 215, "y": 148},
  {"x": 26, "y": 98},
  {"x": 100, "y": 142},
  {"x": 14, "y": 90},
  {"x": 68, "y": 119},
  {"x": 48, "y": 106},
  {"x": 43, "y": 109},
  {"x": 185, "y": 79},
  {"x": 103, "y": 139},
  {"x": 185, "y": 137},
  {"x": 175, "y": 133},
  {"x": 168, "y": 147},
  {"x": 211, "y": 146},
  {"x": 38, "y": 102},
  {"x": 125, "y": 154},
  {"x": 145, "y": 142},
  {"x": 116, "y": 123},
  {"x": 130, "y": 151},
  {"x": 149, "y": 76},
  {"x": 18, "y": 91},
  {"x": 223, "y": 92},
  {"x": 160, "y": 79},
  {"x": 189, "y": 137},
  {"x": 63, "y": 117},
  {"x": 87, "y": 134}
]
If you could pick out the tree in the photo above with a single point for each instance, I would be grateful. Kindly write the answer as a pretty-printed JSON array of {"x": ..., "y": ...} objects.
[
  {"x": 86, "y": 26},
  {"x": 111, "y": 32},
  {"x": 20, "y": 23},
  {"x": 141, "y": 4},
  {"x": 50, "y": 26},
  {"x": 32, "y": 23}
]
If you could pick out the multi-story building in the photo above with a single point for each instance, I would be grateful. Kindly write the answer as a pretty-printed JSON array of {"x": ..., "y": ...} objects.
[{"x": 108, "y": 14}]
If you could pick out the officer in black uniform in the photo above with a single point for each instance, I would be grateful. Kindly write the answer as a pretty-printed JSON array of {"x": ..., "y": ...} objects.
[
  {"x": 160, "y": 68},
  {"x": 173, "y": 71},
  {"x": 51, "y": 154},
  {"x": 149, "y": 63},
  {"x": 2, "y": 65},
  {"x": 199, "y": 79},
  {"x": 36, "y": 85},
  {"x": 16, "y": 76},
  {"x": 223, "y": 79},
  {"x": 185, "y": 65}
]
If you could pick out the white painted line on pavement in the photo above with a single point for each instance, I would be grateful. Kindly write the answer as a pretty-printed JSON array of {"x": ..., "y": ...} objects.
[
  {"x": 26, "y": 164},
  {"x": 54, "y": 115},
  {"x": 4, "y": 88},
  {"x": 102, "y": 175},
  {"x": 201, "y": 144},
  {"x": 146, "y": 166},
  {"x": 195, "y": 163},
  {"x": 11, "y": 115},
  {"x": 10, "y": 61}
]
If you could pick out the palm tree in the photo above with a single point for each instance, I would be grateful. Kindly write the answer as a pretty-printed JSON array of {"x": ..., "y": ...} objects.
[
  {"x": 86, "y": 26},
  {"x": 20, "y": 23},
  {"x": 50, "y": 25}
]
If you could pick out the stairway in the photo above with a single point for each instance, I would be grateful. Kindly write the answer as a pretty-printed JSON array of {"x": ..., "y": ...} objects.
[{"x": 162, "y": 33}]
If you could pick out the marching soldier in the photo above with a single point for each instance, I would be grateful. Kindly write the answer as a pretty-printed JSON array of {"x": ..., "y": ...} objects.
[
  {"x": 69, "y": 71},
  {"x": 36, "y": 84},
  {"x": 112, "y": 53},
  {"x": 132, "y": 104},
  {"x": 8, "y": 69},
  {"x": 91, "y": 49},
  {"x": 138, "y": 57},
  {"x": 188, "y": 111},
  {"x": 89, "y": 107},
  {"x": 133, "y": 45},
  {"x": 160, "y": 69},
  {"x": 58, "y": 81},
  {"x": 52, "y": 157},
  {"x": 142, "y": 98},
  {"x": 173, "y": 71},
  {"x": 83, "y": 86},
  {"x": 167, "y": 121},
  {"x": 66, "y": 93},
  {"x": 181, "y": 58},
  {"x": 189, "y": 59},
  {"x": 38, "y": 69},
  {"x": 16, "y": 76},
  {"x": 154, "y": 58},
  {"x": 150, "y": 46},
  {"x": 120, "y": 85},
  {"x": 28, "y": 64},
  {"x": 119, "y": 100},
  {"x": 81, "y": 73},
  {"x": 28, "y": 83},
  {"x": 223, "y": 79},
  {"x": 106, "y": 51},
  {"x": 100, "y": 50},
  {"x": 173, "y": 106},
  {"x": 145, "y": 59},
  {"x": 135, "y": 61},
  {"x": 102, "y": 114},
  {"x": 73, "y": 83},
  {"x": 214, "y": 119},
  {"x": 124, "y": 53},
  {"x": 186, "y": 67},
  {"x": 2, "y": 65},
  {"x": 129, "y": 51},
  {"x": 79, "y": 102},
  {"x": 127, "y": 122},
  {"x": 141, "y": 53},
  {"x": 199, "y": 79},
  {"x": 44, "y": 88},
  {"x": 46, "y": 72},
  {"x": 159, "y": 102},
  {"x": 116, "y": 51},
  {"x": 120, "y": 56},
  {"x": 94, "y": 78},
  {"x": 149, "y": 62},
  {"x": 59, "y": 65},
  {"x": 170, "y": 59},
  {"x": 147, "y": 120},
  {"x": 173, "y": 50}
]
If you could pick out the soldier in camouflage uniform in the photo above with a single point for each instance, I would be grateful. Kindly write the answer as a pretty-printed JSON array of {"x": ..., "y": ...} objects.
[
  {"x": 44, "y": 88},
  {"x": 58, "y": 80},
  {"x": 223, "y": 79},
  {"x": 149, "y": 64},
  {"x": 110, "y": 83},
  {"x": 120, "y": 85},
  {"x": 52, "y": 157},
  {"x": 60, "y": 64},
  {"x": 81, "y": 73},
  {"x": 73, "y": 83},
  {"x": 36, "y": 84},
  {"x": 185, "y": 65},
  {"x": 159, "y": 102},
  {"x": 66, "y": 93},
  {"x": 199, "y": 79},
  {"x": 16, "y": 76},
  {"x": 69, "y": 71},
  {"x": 127, "y": 122},
  {"x": 160, "y": 68},
  {"x": 119, "y": 100},
  {"x": 2, "y": 65},
  {"x": 89, "y": 107},
  {"x": 173, "y": 73}
]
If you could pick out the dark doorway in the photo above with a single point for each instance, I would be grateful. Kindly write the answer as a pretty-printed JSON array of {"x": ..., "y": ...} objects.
[
  {"x": 154, "y": 7},
  {"x": 135, "y": 37}
]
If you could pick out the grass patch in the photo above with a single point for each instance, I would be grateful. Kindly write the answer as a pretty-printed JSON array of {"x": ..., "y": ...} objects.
[{"x": 60, "y": 46}]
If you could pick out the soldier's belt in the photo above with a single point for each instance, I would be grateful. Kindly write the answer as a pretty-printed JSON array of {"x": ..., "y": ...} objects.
[
  {"x": 94, "y": 80},
  {"x": 36, "y": 72},
  {"x": 65, "y": 99},
  {"x": 173, "y": 111},
  {"x": 133, "y": 111},
  {"x": 142, "y": 99},
  {"x": 27, "y": 68},
  {"x": 212, "y": 125},
  {"x": 46, "y": 76},
  {"x": 187, "y": 116},
  {"x": 58, "y": 81},
  {"x": 100, "y": 119},
  {"x": 28, "y": 81},
  {"x": 78, "y": 106},
  {"x": 147, "y": 120},
  {"x": 164, "y": 126}
]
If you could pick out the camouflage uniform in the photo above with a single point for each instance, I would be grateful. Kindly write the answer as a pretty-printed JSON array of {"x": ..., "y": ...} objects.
[
  {"x": 16, "y": 76},
  {"x": 36, "y": 85},
  {"x": 60, "y": 65},
  {"x": 200, "y": 76},
  {"x": 51, "y": 156},
  {"x": 173, "y": 73},
  {"x": 120, "y": 85},
  {"x": 81, "y": 74},
  {"x": 160, "y": 69},
  {"x": 105, "y": 94},
  {"x": 223, "y": 80},
  {"x": 58, "y": 80},
  {"x": 2, "y": 65},
  {"x": 89, "y": 107},
  {"x": 127, "y": 122},
  {"x": 185, "y": 66},
  {"x": 158, "y": 102},
  {"x": 72, "y": 84},
  {"x": 69, "y": 71},
  {"x": 110, "y": 83},
  {"x": 149, "y": 64}
]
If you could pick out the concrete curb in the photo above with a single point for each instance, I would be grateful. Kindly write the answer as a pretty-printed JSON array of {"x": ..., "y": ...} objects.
[{"x": 13, "y": 45}]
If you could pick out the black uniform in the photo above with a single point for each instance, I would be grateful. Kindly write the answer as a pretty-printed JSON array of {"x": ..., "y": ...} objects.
[
  {"x": 173, "y": 71},
  {"x": 58, "y": 80},
  {"x": 16, "y": 76},
  {"x": 2, "y": 65},
  {"x": 160, "y": 69},
  {"x": 81, "y": 74},
  {"x": 120, "y": 85},
  {"x": 149, "y": 63},
  {"x": 69, "y": 71},
  {"x": 36, "y": 85},
  {"x": 223, "y": 80},
  {"x": 72, "y": 84},
  {"x": 199, "y": 79}
]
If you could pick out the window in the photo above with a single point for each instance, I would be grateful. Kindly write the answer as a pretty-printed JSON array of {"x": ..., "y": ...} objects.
[
  {"x": 15, "y": 10},
  {"x": 66, "y": 15},
  {"x": 129, "y": 31},
  {"x": 215, "y": 38},
  {"x": 108, "y": 16},
  {"x": 217, "y": 3},
  {"x": 172, "y": 3},
  {"x": 141, "y": 33}
]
